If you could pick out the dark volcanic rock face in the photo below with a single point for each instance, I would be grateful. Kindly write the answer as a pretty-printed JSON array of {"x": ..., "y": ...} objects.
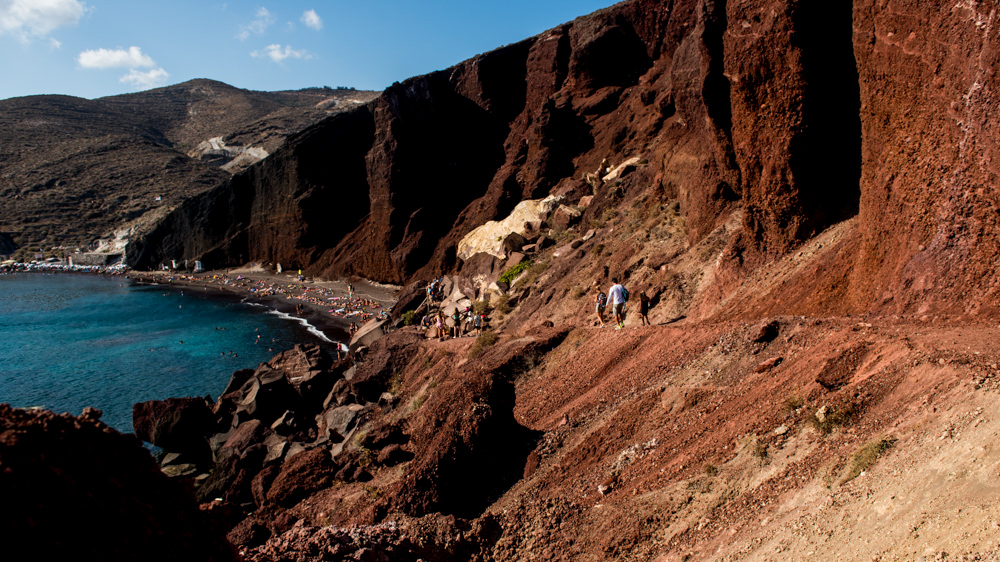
[{"x": 74, "y": 489}]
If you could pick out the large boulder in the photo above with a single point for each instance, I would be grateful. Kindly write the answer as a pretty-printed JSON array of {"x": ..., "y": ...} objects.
[
  {"x": 311, "y": 372},
  {"x": 75, "y": 489},
  {"x": 302, "y": 362},
  {"x": 180, "y": 425},
  {"x": 266, "y": 396},
  {"x": 409, "y": 299},
  {"x": 564, "y": 217}
]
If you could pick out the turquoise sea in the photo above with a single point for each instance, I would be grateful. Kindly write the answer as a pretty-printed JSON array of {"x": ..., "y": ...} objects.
[{"x": 68, "y": 341}]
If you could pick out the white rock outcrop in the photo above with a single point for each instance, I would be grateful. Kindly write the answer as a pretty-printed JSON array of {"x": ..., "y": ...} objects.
[{"x": 489, "y": 237}]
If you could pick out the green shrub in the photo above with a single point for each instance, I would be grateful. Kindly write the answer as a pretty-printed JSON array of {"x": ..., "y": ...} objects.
[
  {"x": 512, "y": 273},
  {"x": 532, "y": 274},
  {"x": 834, "y": 418},
  {"x": 410, "y": 318}
]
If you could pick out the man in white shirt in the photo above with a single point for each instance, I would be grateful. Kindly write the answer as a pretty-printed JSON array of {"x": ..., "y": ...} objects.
[{"x": 616, "y": 295}]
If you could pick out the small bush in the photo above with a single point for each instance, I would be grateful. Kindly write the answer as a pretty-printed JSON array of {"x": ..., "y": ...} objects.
[
  {"x": 711, "y": 469},
  {"x": 867, "y": 455},
  {"x": 833, "y": 419},
  {"x": 792, "y": 404},
  {"x": 410, "y": 318},
  {"x": 512, "y": 273},
  {"x": 579, "y": 292},
  {"x": 503, "y": 304},
  {"x": 532, "y": 274},
  {"x": 482, "y": 343}
]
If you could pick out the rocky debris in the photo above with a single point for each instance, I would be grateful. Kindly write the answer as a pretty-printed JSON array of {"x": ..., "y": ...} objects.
[
  {"x": 766, "y": 366},
  {"x": 512, "y": 243},
  {"x": 564, "y": 217},
  {"x": 180, "y": 425},
  {"x": 765, "y": 331},
  {"x": 74, "y": 488}
]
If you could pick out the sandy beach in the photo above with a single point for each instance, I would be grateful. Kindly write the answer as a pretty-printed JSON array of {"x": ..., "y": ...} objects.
[{"x": 327, "y": 305}]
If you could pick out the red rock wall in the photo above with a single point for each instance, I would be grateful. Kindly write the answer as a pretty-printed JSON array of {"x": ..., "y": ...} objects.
[
  {"x": 929, "y": 203},
  {"x": 801, "y": 113}
]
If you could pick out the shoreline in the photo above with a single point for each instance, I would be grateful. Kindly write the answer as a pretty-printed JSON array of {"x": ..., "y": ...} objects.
[{"x": 324, "y": 305}]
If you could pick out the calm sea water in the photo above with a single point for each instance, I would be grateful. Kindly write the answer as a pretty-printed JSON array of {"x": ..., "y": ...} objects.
[{"x": 70, "y": 341}]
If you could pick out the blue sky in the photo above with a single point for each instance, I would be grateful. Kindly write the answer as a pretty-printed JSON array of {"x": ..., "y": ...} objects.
[{"x": 94, "y": 48}]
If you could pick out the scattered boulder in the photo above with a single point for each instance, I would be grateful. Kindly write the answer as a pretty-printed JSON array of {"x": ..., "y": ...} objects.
[
  {"x": 409, "y": 299},
  {"x": 338, "y": 421},
  {"x": 262, "y": 483},
  {"x": 564, "y": 217},
  {"x": 768, "y": 365},
  {"x": 513, "y": 242},
  {"x": 180, "y": 425},
  {"x": 339, "y": 395},
  {"x": 245, "y": 435},
  {"x": 514, "y": 259},
  {"x": 266, "y": 396},
  {"x": 765, "y": 332}
]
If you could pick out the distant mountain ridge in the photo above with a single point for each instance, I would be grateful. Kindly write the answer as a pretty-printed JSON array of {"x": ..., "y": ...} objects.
[{"x": 73, "y": 170}]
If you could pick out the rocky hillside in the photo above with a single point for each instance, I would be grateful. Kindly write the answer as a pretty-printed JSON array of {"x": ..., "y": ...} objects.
[
  {"x": 72, "y": 170},
  {"x": 804, "y": 191}
]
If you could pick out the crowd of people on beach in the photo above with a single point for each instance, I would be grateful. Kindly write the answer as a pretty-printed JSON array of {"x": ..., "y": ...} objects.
[{"x": 353, "y": 307}]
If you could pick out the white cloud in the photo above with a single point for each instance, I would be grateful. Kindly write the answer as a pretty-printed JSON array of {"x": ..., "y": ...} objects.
[
  {"x": 258, "y": 26},
  {"x": 145, "y": 80},
  {"x": 34, "y": 19},
  {"x": 312, "y": 20},
  {"x": 117, "y": 58},
  {"x": 278, "y": 54}
]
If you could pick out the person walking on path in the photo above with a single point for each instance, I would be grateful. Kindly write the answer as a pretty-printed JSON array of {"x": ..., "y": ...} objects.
[
  {"x": 618, "y": 297},
  {"x": 644, "y": 308},
  {"x": 602, "y": 303}
]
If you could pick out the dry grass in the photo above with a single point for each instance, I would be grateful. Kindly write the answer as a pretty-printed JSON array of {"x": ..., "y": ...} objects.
[
  {"x": 483, "y": 342},
  {"x": 867, "y": 455}
]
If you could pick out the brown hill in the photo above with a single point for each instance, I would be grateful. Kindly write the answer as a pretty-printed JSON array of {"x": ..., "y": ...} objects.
[{"x": 73, "y": 170}]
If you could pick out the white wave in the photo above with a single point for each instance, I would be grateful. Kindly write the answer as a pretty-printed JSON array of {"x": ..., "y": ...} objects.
[{"x": 309, "y": 327}]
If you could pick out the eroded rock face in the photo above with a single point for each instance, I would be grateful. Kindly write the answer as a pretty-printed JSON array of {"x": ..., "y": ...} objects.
[
  {"x": 506, "y": 126},
  {"x": 75, "y": 489}
]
